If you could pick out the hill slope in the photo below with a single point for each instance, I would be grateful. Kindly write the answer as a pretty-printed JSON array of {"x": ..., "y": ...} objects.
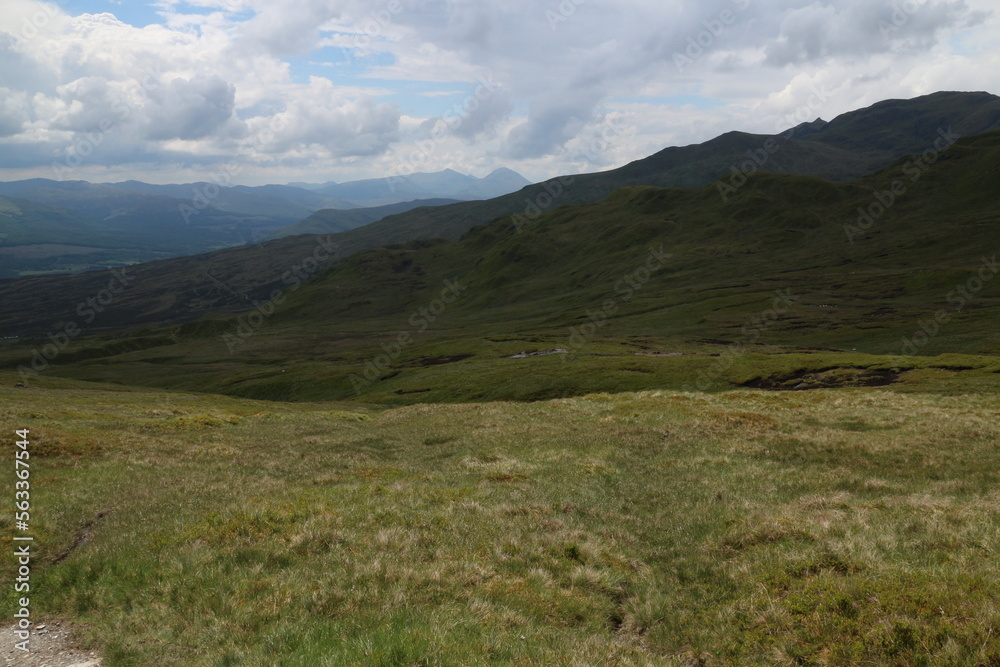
[
  {"x": 849, "y": 147},
  {"x": 784, "y": 262},
  {"x": 182, "y": 289},
  {"x": 447, "y": 184},
  {"x": 135, "y": 222},
  {"x": 778, "y": 232},
  {"x": 332, "y": 221}
]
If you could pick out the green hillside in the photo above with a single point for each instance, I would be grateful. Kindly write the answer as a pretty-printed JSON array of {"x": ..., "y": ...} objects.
[
  {"x": 332, "y": 221},
  {"x": 186, "y": 289},
  {"x": 23, "y": 222},
  {"x": 847, "y": 148},
  {"x": 748, "y": 422},
  {"x": 97, "y": 226},
  {"x": 768, "y": 281}
]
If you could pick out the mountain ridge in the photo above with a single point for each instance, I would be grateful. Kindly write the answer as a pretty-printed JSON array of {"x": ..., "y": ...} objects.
[{"x": 254, "y": 271}]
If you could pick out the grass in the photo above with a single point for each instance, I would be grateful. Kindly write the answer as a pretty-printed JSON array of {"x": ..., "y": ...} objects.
[
  {"x": 822, "y": 498},
  {"x": 836, "y": 526}
]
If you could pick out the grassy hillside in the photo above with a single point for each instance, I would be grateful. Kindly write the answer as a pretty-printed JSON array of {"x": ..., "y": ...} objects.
[
  {"x": 172, "y": 290},
  {"x": 332, "y": 221},
  {"x": 255, "y": 272},
  {"x": 24, "y": 222},
  {"x": 849, "y": 147},
  {"x": 769, "y": 279},
  {"x": 112, "y": 226},
  {"x": 36, "y": 238},
  {"x": 657, "y": 528}
]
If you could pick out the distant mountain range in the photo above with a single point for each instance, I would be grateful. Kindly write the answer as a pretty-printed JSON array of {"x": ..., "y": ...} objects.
[
  {"x": 51, "y": 226},
  {"x": 182, "y": 289},
  {"x": 788, "y": 260},
  {"x": 447, "y": 184},
  {"x": 849, "y": 147}
]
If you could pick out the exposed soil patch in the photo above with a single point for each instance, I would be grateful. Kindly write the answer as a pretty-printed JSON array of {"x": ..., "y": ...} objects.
[
  {"x": 51, "y": 645},
  {"x": 957, "y": 369},
  {"x": 525, "y": 355},
  {"x": 410, "y": 391},
  {"x": 81, "y": 539},
  {"x": 829, "y": 378}
]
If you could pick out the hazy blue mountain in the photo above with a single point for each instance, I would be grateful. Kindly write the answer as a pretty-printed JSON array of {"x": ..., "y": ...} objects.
[
  {"x": 244, "y": 201},
  {"x": 446, "y": 184},
  {"x": 128, "y": 223}
]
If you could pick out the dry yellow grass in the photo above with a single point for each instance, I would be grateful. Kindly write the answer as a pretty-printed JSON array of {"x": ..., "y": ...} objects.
[{"x": 656, "y": 528}]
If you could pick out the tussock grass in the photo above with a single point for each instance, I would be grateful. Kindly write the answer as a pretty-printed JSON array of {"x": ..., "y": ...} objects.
[{"x": 844, "y": 526}]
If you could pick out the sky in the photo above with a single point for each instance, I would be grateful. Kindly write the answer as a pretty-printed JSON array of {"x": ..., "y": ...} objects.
[{"x": 272, "y": 91}]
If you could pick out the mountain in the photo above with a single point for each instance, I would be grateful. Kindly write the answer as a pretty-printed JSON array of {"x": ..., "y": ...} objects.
[
  {"x": 183, "y": 289},
  {"x": 24, "y": 222},
  {"x": 301, "y": 196},
  {"x": 132, "y": 222},
  {"x": 241, "y": 201},
  {"x": 447, "y": 184},
  {"x": 277, "y": 201},
  {"x": 495, "y": 184},
  {"x": 34, "y": 236},
  {"x": 310, "y": 186},
  {"x": 788, "y": 260},
  {"x": 892, "y": 128},
  {"x": 778, "y": 232},
  {"x": 331, "y": 221},
  {"x": 129, "y": 222},
  {"x": 830, "y": 153}
]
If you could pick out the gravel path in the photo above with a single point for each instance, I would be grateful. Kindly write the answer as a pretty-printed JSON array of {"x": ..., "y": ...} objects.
[{"x": 52, "y": 645}]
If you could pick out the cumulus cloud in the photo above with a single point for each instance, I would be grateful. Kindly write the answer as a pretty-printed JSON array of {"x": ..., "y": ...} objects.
[
  {"x": 213, "y": 76},
  {"x": 13, "y": 111},
  {"x": 190, "y": 108},
  {"x": 854, "y": 30},
  {"x": 340, "y": 128}
]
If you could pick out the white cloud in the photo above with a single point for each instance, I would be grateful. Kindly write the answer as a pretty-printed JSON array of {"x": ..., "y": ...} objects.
[
  {"x": 215, "y": 81},
  {"x": 192, "y": 108}
]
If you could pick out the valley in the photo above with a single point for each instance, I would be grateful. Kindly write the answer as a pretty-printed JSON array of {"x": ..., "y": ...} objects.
[{"x": 682, "y": 412}]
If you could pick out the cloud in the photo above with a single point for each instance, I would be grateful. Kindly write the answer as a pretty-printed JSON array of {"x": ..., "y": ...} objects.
[
  {"x": 340, "y": 127},
  {"x": 190, "y": 108},
  {"x": 853, "y": 30},
  {"x": 215, "y": 76},
  {"x": 13, "y": 111}
]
